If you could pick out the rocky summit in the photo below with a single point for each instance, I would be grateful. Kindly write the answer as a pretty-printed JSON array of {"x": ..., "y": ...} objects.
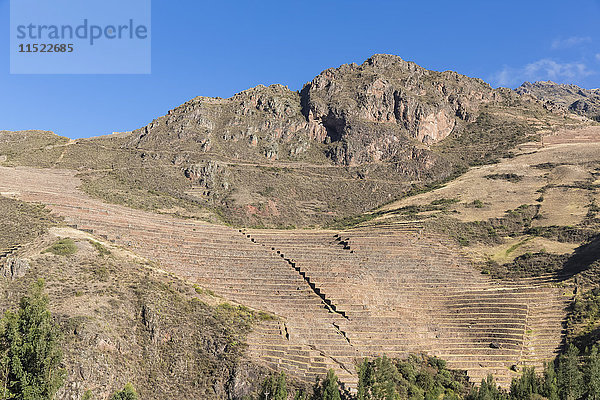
[
  {"x": 353, "y": 138},
  {"x": 361, "y": 114},
  {"x": 382, "y": 212},
  {"x": 581, "y": 101},
  {"x": 374, "y": 107}
]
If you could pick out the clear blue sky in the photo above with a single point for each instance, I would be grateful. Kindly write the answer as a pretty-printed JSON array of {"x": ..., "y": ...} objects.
[{"x": 218, "y": 48}]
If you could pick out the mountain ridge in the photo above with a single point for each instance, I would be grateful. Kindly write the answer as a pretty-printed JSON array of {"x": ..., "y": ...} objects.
[
  {"x": 461, "y": 221},
  {"x": 354, "y": 138},
  {"x": 585, "y": 102},
  {"x": 331, "y": 104}
]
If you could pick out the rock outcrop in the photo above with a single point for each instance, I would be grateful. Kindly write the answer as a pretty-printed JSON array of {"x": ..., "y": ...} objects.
[
  {"x": 374, "y": 112},
  {"x": 398, "y": 99},
  {"x": 14, "y": 267},
  {"x": 258, "y": 123},
  {"x": 581, "y": 101},
  {"x": 209, "y": 176}
]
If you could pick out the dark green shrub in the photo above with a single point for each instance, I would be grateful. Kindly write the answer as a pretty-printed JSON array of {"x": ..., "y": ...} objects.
[
  {"x": 30, "y": 353},
  {"x": 102, "y": 251},
  {"x": 128, "y": 393},
  {"x": 274, "y": 388},
  {"x": 513, "y": 178},
  {"x": 62, "y": 247}
]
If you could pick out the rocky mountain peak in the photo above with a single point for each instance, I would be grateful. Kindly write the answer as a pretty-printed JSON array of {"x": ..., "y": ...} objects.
[
  {"x": 581, "y": 101},
  {"x": 386, "y": 61},
  {"x": 372, "y": 112},
  {"x": 276, "y": 100},
  {"x": 425, "y": 106}
]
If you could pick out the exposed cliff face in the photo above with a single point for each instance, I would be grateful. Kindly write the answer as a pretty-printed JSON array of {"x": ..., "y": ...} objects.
[
  {"x": 353, "y": 138},
  {"x": 376, "y": 111},
  {"x": 581, "y": 101},
  {"x": 400, "y": 99},
  {"x": 259, "y": 123}
]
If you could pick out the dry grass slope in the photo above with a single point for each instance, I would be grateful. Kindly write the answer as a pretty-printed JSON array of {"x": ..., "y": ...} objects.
[
  {"x": 123, "y": 319},
  {"x": 339, "y": 295}
]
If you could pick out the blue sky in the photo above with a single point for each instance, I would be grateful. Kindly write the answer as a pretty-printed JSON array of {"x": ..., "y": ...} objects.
[{"x": 215, "y": 48}]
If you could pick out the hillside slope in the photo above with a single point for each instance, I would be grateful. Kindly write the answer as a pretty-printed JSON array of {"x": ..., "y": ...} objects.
[
  {"x": 339, "y": 295},
  {"x": 352, "y": 139},
  {"x": 581, "y": 101},
  {"x": 122, "y": 319},
  {"x": 534, "y": 215},
  {"x": 479, "y": 269}
]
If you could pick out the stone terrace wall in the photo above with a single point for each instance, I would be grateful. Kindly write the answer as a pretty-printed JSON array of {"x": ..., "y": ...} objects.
[{"x": 339, "y": 296}]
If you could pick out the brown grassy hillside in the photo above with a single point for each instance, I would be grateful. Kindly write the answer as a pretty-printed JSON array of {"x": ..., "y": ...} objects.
[
  {"x": 354, "y": 138},
  {"x": 122, "y": 319}
]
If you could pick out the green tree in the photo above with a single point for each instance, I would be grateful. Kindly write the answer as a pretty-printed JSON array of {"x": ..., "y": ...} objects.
[
  {"x": 592, "y": 374},
  {"x": 301, "y": 395},
  {"x": 328, "y": 389},
  {"x": 417, "y": 378},
  {"x": 128, "y": 393},
  {"x": 570, "y": 379},
  {"x": 488, "y": 390},
  {"x": 550, "y": 382},
  {"x": 274, "y": 388},
  {"x": 525, "y": 386},
  {"x": 385, "y": 379},
  {"x": 366, "y": 380},
  {"x": 30, "y": 353}
]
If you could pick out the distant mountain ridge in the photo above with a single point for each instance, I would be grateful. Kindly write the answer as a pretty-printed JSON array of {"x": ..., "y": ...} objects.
[{"x": 581, "y": 101}]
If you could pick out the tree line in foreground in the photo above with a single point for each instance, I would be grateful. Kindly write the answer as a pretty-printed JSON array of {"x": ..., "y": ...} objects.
[
  {"x": 31, "y": 354},
  {"x": 31, "y": 359},
  {"x": 571, "y": 376}
]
